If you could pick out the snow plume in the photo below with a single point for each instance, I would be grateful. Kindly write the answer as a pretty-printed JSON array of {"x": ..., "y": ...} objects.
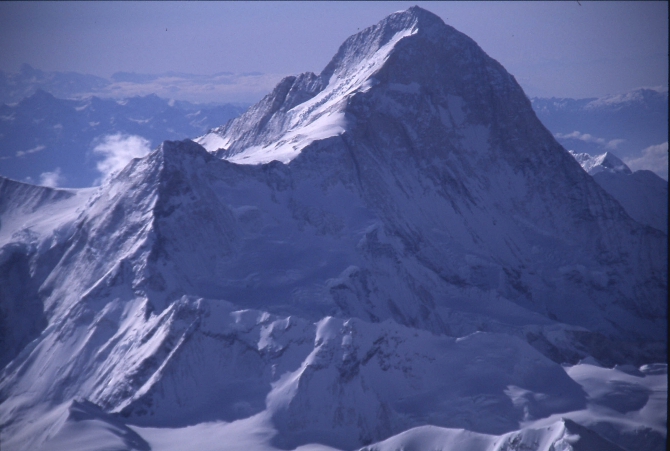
[
  {"x": 52, "y": 179},
  {"x": 586, "y": 137},
  {"x": 117, "y": 150},
  {"x": 654, "y": 158}
]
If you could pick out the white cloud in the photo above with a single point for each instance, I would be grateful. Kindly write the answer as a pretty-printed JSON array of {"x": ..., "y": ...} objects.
[
  {"x": 614, "y": 143},
  {"x": 52, "y": 179},
  {"x": 117, "y": 151},
  {"x": 654, "y": 158},
  {"x": 586, "y": 137},
  {"x": 21, "y": 153}
]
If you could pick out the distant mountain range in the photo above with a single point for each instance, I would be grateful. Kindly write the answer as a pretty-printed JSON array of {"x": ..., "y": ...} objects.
[
  {"x": 219, "y": 88},
  {"x": 42, "y": 134},
  {"x": 627, "y": 124},
  {"x": 15, "y": 87}
]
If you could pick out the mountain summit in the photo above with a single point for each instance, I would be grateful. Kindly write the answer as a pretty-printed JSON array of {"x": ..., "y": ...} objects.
[
  {"x": 394, "y": 243},
  {"x": 408, "y": 51}
]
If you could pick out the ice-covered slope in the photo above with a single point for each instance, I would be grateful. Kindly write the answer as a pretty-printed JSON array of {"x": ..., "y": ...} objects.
[
  {"x": 643, "y": 194},
  {"x": 424, "y": 253},
  {"x": 562, "y": 435}
]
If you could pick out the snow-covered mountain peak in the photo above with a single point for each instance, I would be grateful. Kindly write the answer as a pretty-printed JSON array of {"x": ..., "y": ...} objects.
[
  {"x": 429, "y": 255},
  {"x": 405, "y": 51},
  {"x": 374, "y": 42},
  {"x": 605, "y": 162},
  {"x": 430, "y": 112}
]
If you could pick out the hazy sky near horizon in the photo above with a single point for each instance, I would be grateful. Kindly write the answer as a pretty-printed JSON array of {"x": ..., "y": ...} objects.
[{"x": 562, "y": 49}]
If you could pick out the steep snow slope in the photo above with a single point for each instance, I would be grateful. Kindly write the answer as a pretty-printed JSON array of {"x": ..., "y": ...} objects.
[
  {"x": 643, "y": 194},
  {"x": 34, "y": 220},
  {"x": 424, "y": 253}
]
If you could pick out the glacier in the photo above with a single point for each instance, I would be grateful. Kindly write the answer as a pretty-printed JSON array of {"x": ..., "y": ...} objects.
[{"x": 392, "y": 254}]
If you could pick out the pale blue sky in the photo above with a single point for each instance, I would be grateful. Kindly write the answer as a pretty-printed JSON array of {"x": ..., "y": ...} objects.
[{"x": 553, "y": 48}]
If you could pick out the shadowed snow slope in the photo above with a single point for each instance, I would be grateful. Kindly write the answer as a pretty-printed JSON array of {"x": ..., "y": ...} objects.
[{"x": 408, "y": 246}]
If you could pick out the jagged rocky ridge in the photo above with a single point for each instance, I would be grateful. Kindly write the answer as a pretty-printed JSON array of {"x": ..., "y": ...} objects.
[{"x": 422, "y": 252}]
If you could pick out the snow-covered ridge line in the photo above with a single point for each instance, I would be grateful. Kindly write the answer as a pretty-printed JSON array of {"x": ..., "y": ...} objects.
[{"x": 35, "y": 212}]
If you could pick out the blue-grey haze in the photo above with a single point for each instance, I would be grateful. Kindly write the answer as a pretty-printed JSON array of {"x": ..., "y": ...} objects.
[{"x": 563, "y": 49}]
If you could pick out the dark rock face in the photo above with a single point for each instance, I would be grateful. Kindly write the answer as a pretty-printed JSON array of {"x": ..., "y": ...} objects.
[{"x": 21, "y": 311}]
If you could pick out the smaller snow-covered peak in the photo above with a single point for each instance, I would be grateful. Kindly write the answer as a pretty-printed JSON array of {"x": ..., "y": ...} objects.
[
  {"x": 607, "y": 162},
  {"x": 643, "y": 194}
]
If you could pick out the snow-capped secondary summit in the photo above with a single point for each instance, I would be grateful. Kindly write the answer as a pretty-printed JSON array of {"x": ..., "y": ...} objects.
[
  {"x": 607, "y": 162},
  {"x": 405, "y": 245},
  {"x": 643, "y": 194}
]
